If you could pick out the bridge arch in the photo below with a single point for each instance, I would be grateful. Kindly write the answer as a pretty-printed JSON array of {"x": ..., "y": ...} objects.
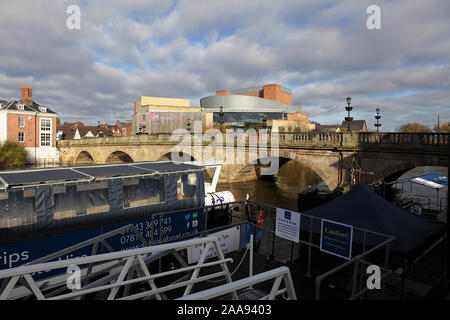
[
  {"x": 304, "y": 162},
  {"x": 119, "y": 157},
  {"x": 168, "y": 156},
  {"x": 84, "y": 158}
]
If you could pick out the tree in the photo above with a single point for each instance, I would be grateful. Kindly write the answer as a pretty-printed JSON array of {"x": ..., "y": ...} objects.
[
  {"x": 58, "y": 121},
  {"x": 442, "y": 128},
  {"x": 413, "y": 127},
  {"x": 12, "y": 156}
]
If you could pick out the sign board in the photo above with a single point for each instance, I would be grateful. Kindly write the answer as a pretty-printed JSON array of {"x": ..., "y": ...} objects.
[
  {"x": 336, "y": 239},
  {"x": 228, "y": 240},
  {"x": 287, "y": 225}
]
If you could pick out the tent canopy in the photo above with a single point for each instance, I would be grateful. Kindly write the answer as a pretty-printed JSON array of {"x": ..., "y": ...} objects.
[{"x": 362, "y": 208}]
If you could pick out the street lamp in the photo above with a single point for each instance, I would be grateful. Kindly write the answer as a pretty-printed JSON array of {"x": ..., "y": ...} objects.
[
  {"x": 378, "y": 125},
  {"x": 348, "y": 108},
  {"x": 264, "y": 121}
]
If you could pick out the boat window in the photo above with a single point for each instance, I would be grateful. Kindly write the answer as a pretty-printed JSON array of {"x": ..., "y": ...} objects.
[
  {"x": 186, "y": 186},
  {"x": 17, "y": 208},
  {"x": 81, "y": 199},
  {"x": 143, "y": 191}
]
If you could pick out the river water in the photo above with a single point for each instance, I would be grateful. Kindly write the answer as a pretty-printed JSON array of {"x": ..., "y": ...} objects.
[
  {"x": 294, "y": 177},
  {"x": 282, "y": 191}
]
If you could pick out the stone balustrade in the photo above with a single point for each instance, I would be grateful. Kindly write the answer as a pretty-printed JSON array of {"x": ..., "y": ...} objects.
[{"x": 300, "y": 139}]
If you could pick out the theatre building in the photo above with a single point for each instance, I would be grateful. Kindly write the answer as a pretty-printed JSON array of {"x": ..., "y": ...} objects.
[{"x": 241, "y": 108}]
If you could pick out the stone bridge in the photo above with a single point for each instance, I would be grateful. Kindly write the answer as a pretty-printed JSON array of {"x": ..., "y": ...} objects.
[{"x": 330, "y": 155}]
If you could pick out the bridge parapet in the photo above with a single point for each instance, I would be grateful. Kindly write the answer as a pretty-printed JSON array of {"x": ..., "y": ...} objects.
[
  {"x": 405, "y": 140},
  {"x": 356, "y": 140}
]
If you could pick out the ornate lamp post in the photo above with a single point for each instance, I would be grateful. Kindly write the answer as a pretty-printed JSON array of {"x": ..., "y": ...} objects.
[
  {"x": 378, "y": 125},
  {"x": 348, "y": 108}
]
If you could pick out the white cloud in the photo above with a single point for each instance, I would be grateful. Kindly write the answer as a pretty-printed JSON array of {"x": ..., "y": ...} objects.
[{"x": 188, "y": 49}]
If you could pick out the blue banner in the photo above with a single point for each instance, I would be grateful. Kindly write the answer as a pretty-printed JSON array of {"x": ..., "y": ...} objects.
[{"x": 336, "y": 239}]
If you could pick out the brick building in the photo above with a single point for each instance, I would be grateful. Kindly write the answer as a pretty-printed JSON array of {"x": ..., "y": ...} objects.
[{"x": 31, "y": 125}]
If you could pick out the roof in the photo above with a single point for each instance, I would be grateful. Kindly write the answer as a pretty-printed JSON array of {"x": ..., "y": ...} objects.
[
  {"x": 362, "y": 208},
  {"x": 355, "y": 125},
  {"x": 35, "y": 107},
  {"x": 69, "y": 131},
  {"x": 327, "y": 127},
  {"x": 73, "y": 174}
]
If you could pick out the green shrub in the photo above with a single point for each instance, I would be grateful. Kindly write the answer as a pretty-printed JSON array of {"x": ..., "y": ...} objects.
[{"x": 12, "y": 156}]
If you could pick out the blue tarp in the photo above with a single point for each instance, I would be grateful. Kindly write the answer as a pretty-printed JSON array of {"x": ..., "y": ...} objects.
[
  {"x": 362, "y": 208},
  {"x": 432, "y": 180}
]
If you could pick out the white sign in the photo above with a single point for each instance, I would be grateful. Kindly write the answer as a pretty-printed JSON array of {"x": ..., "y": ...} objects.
[
  {"x": 228, "y": 240},
  {"x": 287, "y": 225}
]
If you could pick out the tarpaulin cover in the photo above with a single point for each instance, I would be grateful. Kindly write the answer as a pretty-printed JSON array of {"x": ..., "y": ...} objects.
[
  {"x": 38, "y": 211},
  {"x": 432, "y": 180},
  {"x": 362, "y": 208}
]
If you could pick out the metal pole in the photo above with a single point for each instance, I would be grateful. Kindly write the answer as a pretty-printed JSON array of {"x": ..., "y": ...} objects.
[
  {"x": 308, "y": 272},
  {"x": 447, "y": 222},
  {"x": 250, "y": 273},
  {"x": 273, "y": 239},
  {"x": 292, "y": 251}
]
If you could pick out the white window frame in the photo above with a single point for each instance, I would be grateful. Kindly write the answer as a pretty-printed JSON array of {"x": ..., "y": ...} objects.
[
  {"x": 18, "y": 137},
  {"x": 41, "y": 132},
  {"x": 23, "y": 122}
]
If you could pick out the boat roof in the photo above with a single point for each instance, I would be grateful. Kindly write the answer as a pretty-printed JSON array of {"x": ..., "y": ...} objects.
[{"x": 91, "y": 172}]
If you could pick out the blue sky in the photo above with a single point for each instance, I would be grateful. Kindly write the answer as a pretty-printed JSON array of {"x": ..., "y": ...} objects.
[{"x": 320, "y": 49}]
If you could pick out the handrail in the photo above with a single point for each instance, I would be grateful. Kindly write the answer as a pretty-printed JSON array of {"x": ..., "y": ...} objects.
[
  {"x": 279, "y": 274},
  {"x": 127, "y": 257}
]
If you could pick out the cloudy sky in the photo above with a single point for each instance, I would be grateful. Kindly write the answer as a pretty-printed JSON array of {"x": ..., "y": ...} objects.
[{"x": 321, "y": 49}]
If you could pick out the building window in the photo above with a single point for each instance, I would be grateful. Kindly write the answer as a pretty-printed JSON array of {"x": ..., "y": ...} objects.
[
  {"x": 46, "y": 132},
  {"x": 21, "y": 136},
  {"x": 21, "y": 122}
]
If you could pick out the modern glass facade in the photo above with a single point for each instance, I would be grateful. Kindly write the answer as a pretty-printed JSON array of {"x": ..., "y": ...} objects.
[{"x": 243, "y": 119}]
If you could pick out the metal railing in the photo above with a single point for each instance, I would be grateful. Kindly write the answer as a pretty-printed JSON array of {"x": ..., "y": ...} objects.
[
  {"x": 279, "y": 275},
  {"x": 133, "y": 261},
  {"x": 126, "y": 259},
  {"x": 383, "y": 243}
]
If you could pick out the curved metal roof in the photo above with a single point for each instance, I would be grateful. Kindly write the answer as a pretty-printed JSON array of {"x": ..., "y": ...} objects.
[{"x": 240, "y": 103}]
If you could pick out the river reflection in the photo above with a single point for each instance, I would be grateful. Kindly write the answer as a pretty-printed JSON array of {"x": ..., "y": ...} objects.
[
  {"x": 281, "y": 191},
  {"x": 293, "y": 177}
]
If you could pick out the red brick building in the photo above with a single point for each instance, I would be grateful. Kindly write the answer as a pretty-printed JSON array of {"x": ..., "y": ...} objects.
[
  {"x": 31, "y": 125},
  {"x": 268, "y": 91}
]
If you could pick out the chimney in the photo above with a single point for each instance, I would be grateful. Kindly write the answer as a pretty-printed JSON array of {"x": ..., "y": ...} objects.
[{"x": 26, "y": 95}]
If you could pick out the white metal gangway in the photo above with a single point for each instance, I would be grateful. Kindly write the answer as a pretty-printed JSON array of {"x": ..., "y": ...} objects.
[{"x": 123, "y": 269}]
